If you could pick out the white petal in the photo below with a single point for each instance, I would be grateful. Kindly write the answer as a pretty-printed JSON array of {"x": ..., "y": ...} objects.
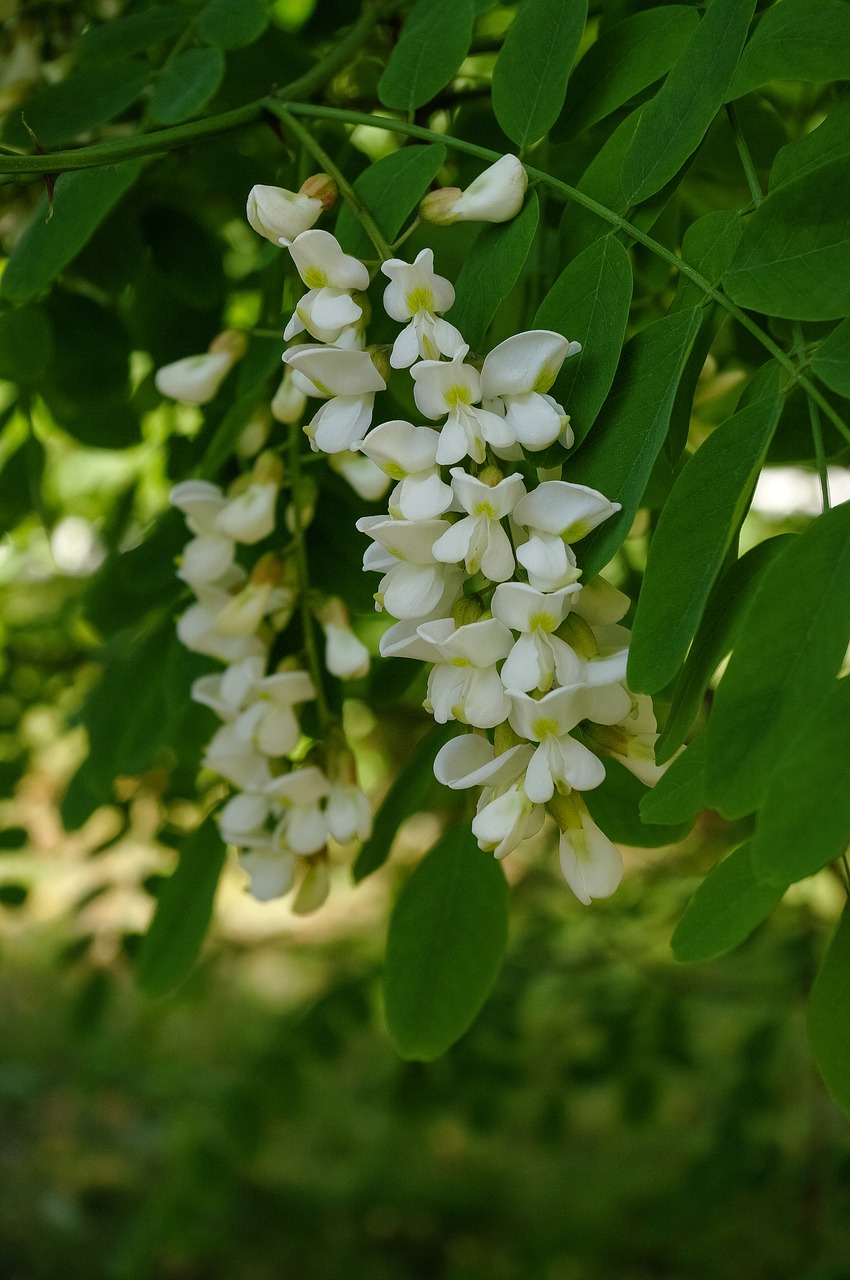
[
  {"x": 592, "y": 865},
  {"x": 526, "y": 362}
]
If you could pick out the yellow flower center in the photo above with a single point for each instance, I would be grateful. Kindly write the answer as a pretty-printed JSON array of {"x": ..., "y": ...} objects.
[
  {"x": 545, "y": 727},
  {"x": 315, "y": 278},
  {"x": 419, "y": 299},
  {"x": 542, "y": 622},
  {"x": 545, "y": 378},
  {"x": 458, "y": 394}
]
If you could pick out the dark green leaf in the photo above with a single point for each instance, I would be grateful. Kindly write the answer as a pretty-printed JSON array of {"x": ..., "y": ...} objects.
[
  {"x": 679, "y": 794},
  {"x": 792, "y": 642},
  {"x": 794, "y": 257},
  {"x": 186, "y": 84},
  {"x": 20, "y": 482},
  {"x": 84, "y": 99},
  {"x": 675, "y": 121},
  {"x": 725, "y": 909},
  {"x": 232, "y": 24},
  {"x": 615, "y": 808},
  {"x": 796, "y": 40},
  {"x": 433, "y": 43},
  {"x": 708, "y": 246},
  {"x": 127, "y": 586},
  {"x": 491, "y": 270},
  {"x": 81, "y": 202},
  {"x": 531, "y": 72},
  {"x": 447, "y": 937},
  {"x": 627, "y": 58},
  {"x": 85, "y": 793},
  {"x": 618, "y": 456},
  {"x": 829, "y": 1015},
  {"x": 831, "y": 361},
  {"x": 804, "y": 822},
  {"x": 694, "y": 533},
  {"x": 183, "y": 911},
  {"x": 131, "y": 33},
  {"x": 717, "y": 635},
  {"x": 589, "y": 302},
  {"x": 188, "y": 257},
  {"x": 26, "y": 344},
  {"x": 830, "y": 141},
  {"x": 391, "y": 188}
]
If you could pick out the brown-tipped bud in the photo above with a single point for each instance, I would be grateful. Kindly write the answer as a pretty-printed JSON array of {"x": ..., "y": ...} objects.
[
  {"x": 320, "y": 186},
  {"x": 578, "y": 635},
  {"x": 268, "y": 469},
  {"x": 567, "y": 810},
  {"x": 381, "y": 360},
  {"x": 491, "y": 476},
  {"x": 440, "y": 207},
  {"x": 467, "y": 609},
  {"x": 268, "y": 571},
  {"x": 229, "y": 343},
  {"x": 504, "y": 738}
]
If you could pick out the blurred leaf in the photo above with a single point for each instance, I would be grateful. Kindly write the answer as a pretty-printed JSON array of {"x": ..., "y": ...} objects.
[
  {"x": 186, "y": 84},
  {"x": 589, "y": 302},
  {"x": 391, "y": 188},
  {"x": 830, "y": 141},
  {"x": 796, "y": 40},
  {"x": 13, "y": 838},
  {"x": 694, "y": 532},
  {"x": 831, "y": 361},
  {"x": 26, "y": 344},
  {"x": 615, "y": 808},
  {"x": 626, "y": 58},
  {"x": 434, "y": 41},
  {"x": 491, "y": 270},
  {"x": 81, "y": 202},
  {"x": 61, "y": 112},
  {"x": 717, "y": 635},
  {"x": 679, "y": 794},
  {"x": 727, "y": 906},
  {"x": 618, "y": 456},
  {"x": 792, "y": 642},
  {"x": 85, "y": 793},
  {"x": 533, "y": 66},
  {"x": 232, "y": 24},
  {"x": 829, "y": 1015},
  {"x": 804, "y": 822},
  {"x": 675, "y": 121},
  {"x": 447, "y": 937},
  {"x": 188, "y": 257},
  {"x": 20, "y": 482},
  {"x": 131, "y": 33},
  {"x": 183, "y": 912}
]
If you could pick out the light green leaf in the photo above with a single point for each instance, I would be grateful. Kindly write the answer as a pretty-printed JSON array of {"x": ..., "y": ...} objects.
[
  {"x": 491, "y": 270},
  {"x": 675, "y": 121},
  {"x": 615, "y": 808},
  {"x": 792, "y": 642},
  {"x": 447, "y": 938},
  {"x": 627, "y": 58},
  {"x": 81, "y": 202},
  {"x": 694, "y": 532},
  {"x": 796, "y": 40},
  {"x": 618, "y": 456},
  {"x": 131, "y": 33},
  {"x": 831, "y": 361},
  {"x": 589, "y": 303},
  {"x": 679, "y": 794},
  {"x": 176, "y": 934},
  {"x": 804, "y": 822},
  {"x": 433, "y": 43},
  {"x": 86, "y": 98},
  {"x": 26, "y": 344},
  {"x": 531, "y": 72},
  {"x": 186, "y": 84},
  {"x": 716, "y": 637},
  {"x": 729, "y": 904},
  {"x": 391, "y": 188},
  {"x": 232, "y": 24},
  {"x": 829, "y": 1016},
  {"x": 794, "y": 257},
  {"x": 830, "y": 141}
]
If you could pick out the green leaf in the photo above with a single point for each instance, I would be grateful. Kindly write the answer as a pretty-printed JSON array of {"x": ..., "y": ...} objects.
[
  {"x": 794, "y": 257},
  {"x": 796, "y": 40},
  {"x": 131, "y": 33},
  {"x": 627, "y": 58},
  {"x": 125, "y": 588},
  {"x": 183, "y": 912},
  {"x": 694, "y": 532},
  {"x": 81, "y": 202},
  {"x": 831, "y": 361},
  {"x": 729, "y": 904},
  {"x": 618, "y": 456},
  {"x": 792, "y": 642},
  {"x": 679, "y": 794},
  {"x": 391, "y": 188},
  {"x": 408, "y": 794},
  {"x": 615, "y": 808},
  {"x": 447, "y": 938},
  {"x": 491, "y": 270},
  {"x": 589, "y": 302},
  {"x": 716, "y": 637},
  {"x": 232, "y": 24},
  {"x": 708, "y": 246},
  {"x": 61, "y": 112},
  {"x": 830, "y": 141},
  {"x": 186, "y": 84},
  {"x": 26, "y": 344},
  {"x": 675, "y": 121},
  {"x": 829, "y": 1015},
  {"x": 804, "y": 822},
  {"x": 531, "y": 72},
  {"x": 433, "y": 43},
  {"x": 20, "y": 482}
]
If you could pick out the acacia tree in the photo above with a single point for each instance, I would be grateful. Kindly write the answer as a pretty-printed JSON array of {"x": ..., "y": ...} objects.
[{"x": 501, "y": 251}]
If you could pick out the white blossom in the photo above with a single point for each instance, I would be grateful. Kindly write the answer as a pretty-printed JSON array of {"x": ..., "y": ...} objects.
[
  {"x": 538, "y": 655},
  {"x": 496, "y": 195},
  {"x": 414, "y": 581},
  {"x": 367, "y": 480},
  {"x": 303, "y": 826},
  {"x": 592, "y": 865},
  {"x": 408, "y": 454},
  {"x": 464, "y": 683},
  {"x": 279, "y": 214},
  {"x": 348, "y": 380},
  {"x": 196, "y": 379},
  {"x": 237, "y": 760},
  {"x": 260, "y": 706},
  {"x": 348, "y": 813},
  {"x": 416, "y": 294},
  {"x": 503, "y": 822},
  {"x": 209, "y": 555},
  {"x": 515, "y": 379},
  {"x": 453, "y": 388},
  {"x": 479, "y": 540},
  {"x": 330, "y": 276},
  {"x": 555, "y": 515},
  {"x": 289, "y": 401}
]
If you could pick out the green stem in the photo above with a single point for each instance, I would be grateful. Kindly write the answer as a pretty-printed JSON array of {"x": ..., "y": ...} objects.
[
  {"x": 308, "y": 623},
  {"x": 815, "y": 422},
  {"x": 744, "y": 155}
]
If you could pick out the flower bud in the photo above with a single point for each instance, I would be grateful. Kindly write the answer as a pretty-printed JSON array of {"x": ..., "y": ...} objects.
[
  {"x": 314, "y": 888},
  {"x": 289, "y": 400},
  {"x": 467, "y": 609},
  {"x": 496, "y": 195},
  {"x": 381, "y": 360},
  {"x": 578, "y": 636},
  {"x": 504, "y": 738},
  {"x": 346, "y": 657},
  {"x": 368, "y": 481},
  {"x": 195, "y": 379},
  {"x": 302, "y": 508},
  {"x": 321, "y": 186},
  {"x": 279, "y": 214},
  {"x": 491, "y": 476},
  {"x": 567, "y": 810},
  {"x": 270, "y": 570},
  {"x": 254, "y": 434},
  {"x": 440, "y": 206},
  {"x": 267, "y": 469}
]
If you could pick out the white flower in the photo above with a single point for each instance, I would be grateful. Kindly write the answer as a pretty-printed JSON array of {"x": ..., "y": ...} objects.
[
  {"x": 464, "y": 684},
  {"x": 367, "y": 480},
  {"x": 556, "y": 514},
  {"x": 194, "y": 379},
  {"x": 414, "y": 582},
  {"x": 279, "y": 214},
  {"x": 303, "y": 826},
  {"x": 348, "y": 381},
  {"x": 198, "y": 628},
  {"x": 515, "y": 378},
  {"x": 538, "y": 655},
  {"x": 330, "y": 276},
  {"x": 454, "y": 388},
  {"x": 408, "y": 454},
  {"x": 631, "y": 740},
  {"x": 289, "y": 401},
  {"x": 416, "y": 294},
  {"x": 348, "y": 813},
  {"x": 270, "y": 870},
  {"x": 250, "y": 516},
  {"x": 243, "y": 819},
  {"x": 346, "y": 657},
  {"x": 503, "y": 822},
  {"x": 259, "y": 705},
  {"x": 479, "y": 540},
  {"x": 560, "y": 762},
  {"x": 209, "y": 555},
  {"x": 592, "y": 865},
  {"x": 496, "y": 195},
  {"x": 237, "y": 760},
  {"x": 471, "y": 761}
]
